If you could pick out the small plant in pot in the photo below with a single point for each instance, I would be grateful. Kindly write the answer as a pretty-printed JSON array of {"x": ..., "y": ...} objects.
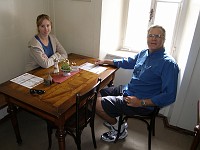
[{"x": 66, "y": 68}]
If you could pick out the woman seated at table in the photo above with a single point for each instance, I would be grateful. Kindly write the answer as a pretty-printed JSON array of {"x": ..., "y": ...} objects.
[{"x": 44, "y": 47}]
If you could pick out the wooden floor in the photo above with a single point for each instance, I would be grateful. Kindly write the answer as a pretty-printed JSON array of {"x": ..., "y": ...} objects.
[{"x": 34, "y": 136}]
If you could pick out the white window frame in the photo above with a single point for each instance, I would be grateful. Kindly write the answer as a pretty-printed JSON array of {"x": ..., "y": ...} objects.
[{"x": 153, "y": 6}]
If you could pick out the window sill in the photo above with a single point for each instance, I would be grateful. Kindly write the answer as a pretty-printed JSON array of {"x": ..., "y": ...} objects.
[{"x": 121, "y": 54}]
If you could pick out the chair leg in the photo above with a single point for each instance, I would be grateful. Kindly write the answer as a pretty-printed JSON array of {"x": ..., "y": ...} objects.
[
  {"x": 78, "y": 142},
  {"x": 150, "y": 127},
  {"x": 93, "y": 134},
  {"x": 49, "y": 131},
  {"x": 77, "y": 138},
  {"x": 151, "y": 130},
  {"x": 119, "y": 128},
  {"x": 153, "y": 126},
  {"x": 149, "y": 137}
]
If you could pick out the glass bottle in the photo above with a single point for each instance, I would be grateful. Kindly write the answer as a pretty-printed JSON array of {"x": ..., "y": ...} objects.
[{"x": 56, "y": 68}]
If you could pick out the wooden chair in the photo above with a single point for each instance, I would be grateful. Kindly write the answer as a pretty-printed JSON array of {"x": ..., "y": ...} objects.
[
  {"x": 148, "y": 119},
  {"x": 84, "y": 115},
  {"x": 196, "y": 139}
]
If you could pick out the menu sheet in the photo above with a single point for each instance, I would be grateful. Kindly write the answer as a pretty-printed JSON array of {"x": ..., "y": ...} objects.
[
  {"x": 92, "y": 68},
  {"x": 28, "y": 80}
]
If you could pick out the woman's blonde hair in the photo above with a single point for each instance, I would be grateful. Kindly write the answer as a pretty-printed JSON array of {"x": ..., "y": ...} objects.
[{"x": 40, "y": 18}]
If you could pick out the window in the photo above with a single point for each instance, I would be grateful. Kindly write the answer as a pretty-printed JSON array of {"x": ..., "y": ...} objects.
[{"x": 140, "y": 16}]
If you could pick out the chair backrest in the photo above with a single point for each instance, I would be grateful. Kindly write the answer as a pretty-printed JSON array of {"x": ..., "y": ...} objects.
[{"x": 86, "y": 106}]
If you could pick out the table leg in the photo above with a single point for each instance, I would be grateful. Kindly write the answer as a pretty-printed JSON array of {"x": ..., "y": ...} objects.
[
  {"x": 12, "y": 110},
  {"x": 60, "y": 134}
]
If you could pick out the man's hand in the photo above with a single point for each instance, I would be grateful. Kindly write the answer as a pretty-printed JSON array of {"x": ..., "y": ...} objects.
[
  {"x": 105, "y": 61},
  {"x": 132, "y": 101},
  {"x": 99, "y": 62}
]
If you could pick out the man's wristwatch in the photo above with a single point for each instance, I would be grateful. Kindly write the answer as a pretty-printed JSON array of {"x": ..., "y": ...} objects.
[{"x": 143, "y": 103}]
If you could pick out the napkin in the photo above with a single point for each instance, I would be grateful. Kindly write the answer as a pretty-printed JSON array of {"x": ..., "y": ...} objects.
[{"x": 60, "y": 78}]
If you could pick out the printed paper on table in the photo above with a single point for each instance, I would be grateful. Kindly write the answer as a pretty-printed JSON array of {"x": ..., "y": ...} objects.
[
  {"x": 92, "y": 68},
  {"x": 28, "y": 80}
]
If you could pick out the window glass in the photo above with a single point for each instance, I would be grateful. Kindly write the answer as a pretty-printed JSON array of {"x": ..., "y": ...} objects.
[
  {"x": 137, "y": 25},
  {"x": 165, "y": 13},
  {"x": 167, "y": 19}
]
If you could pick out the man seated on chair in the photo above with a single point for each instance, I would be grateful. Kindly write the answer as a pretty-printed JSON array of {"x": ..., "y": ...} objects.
[{"x": 153, "y": 83}]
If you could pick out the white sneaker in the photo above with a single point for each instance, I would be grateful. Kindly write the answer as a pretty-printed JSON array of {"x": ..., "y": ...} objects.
[{"x": 111, "y": 135}]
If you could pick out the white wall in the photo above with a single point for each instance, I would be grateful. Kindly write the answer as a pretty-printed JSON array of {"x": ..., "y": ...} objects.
[
  {"x": 111, "y": 23},
  {"x": 77, "y": 25},
  {"x": 185, "y": 109},
  {"x": 184, "y": 113}
]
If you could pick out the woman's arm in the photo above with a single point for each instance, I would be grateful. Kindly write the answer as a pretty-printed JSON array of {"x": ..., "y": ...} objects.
[{"x": 58, "y": 48}]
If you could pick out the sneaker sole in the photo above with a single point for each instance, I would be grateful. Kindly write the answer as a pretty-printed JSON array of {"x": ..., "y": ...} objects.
[
  {"x": 124, "y": 136},
  {"x": 120, "y": 138}
]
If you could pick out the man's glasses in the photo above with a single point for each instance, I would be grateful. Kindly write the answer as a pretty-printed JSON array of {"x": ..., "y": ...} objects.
[{"x": 154, "y": 36}]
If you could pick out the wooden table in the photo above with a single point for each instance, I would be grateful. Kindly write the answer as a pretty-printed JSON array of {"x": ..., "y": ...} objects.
[{"x": 57, "y": 104}]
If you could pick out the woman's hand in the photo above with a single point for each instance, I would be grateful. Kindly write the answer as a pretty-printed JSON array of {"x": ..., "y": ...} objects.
[{"x": 132, "y": 101}]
